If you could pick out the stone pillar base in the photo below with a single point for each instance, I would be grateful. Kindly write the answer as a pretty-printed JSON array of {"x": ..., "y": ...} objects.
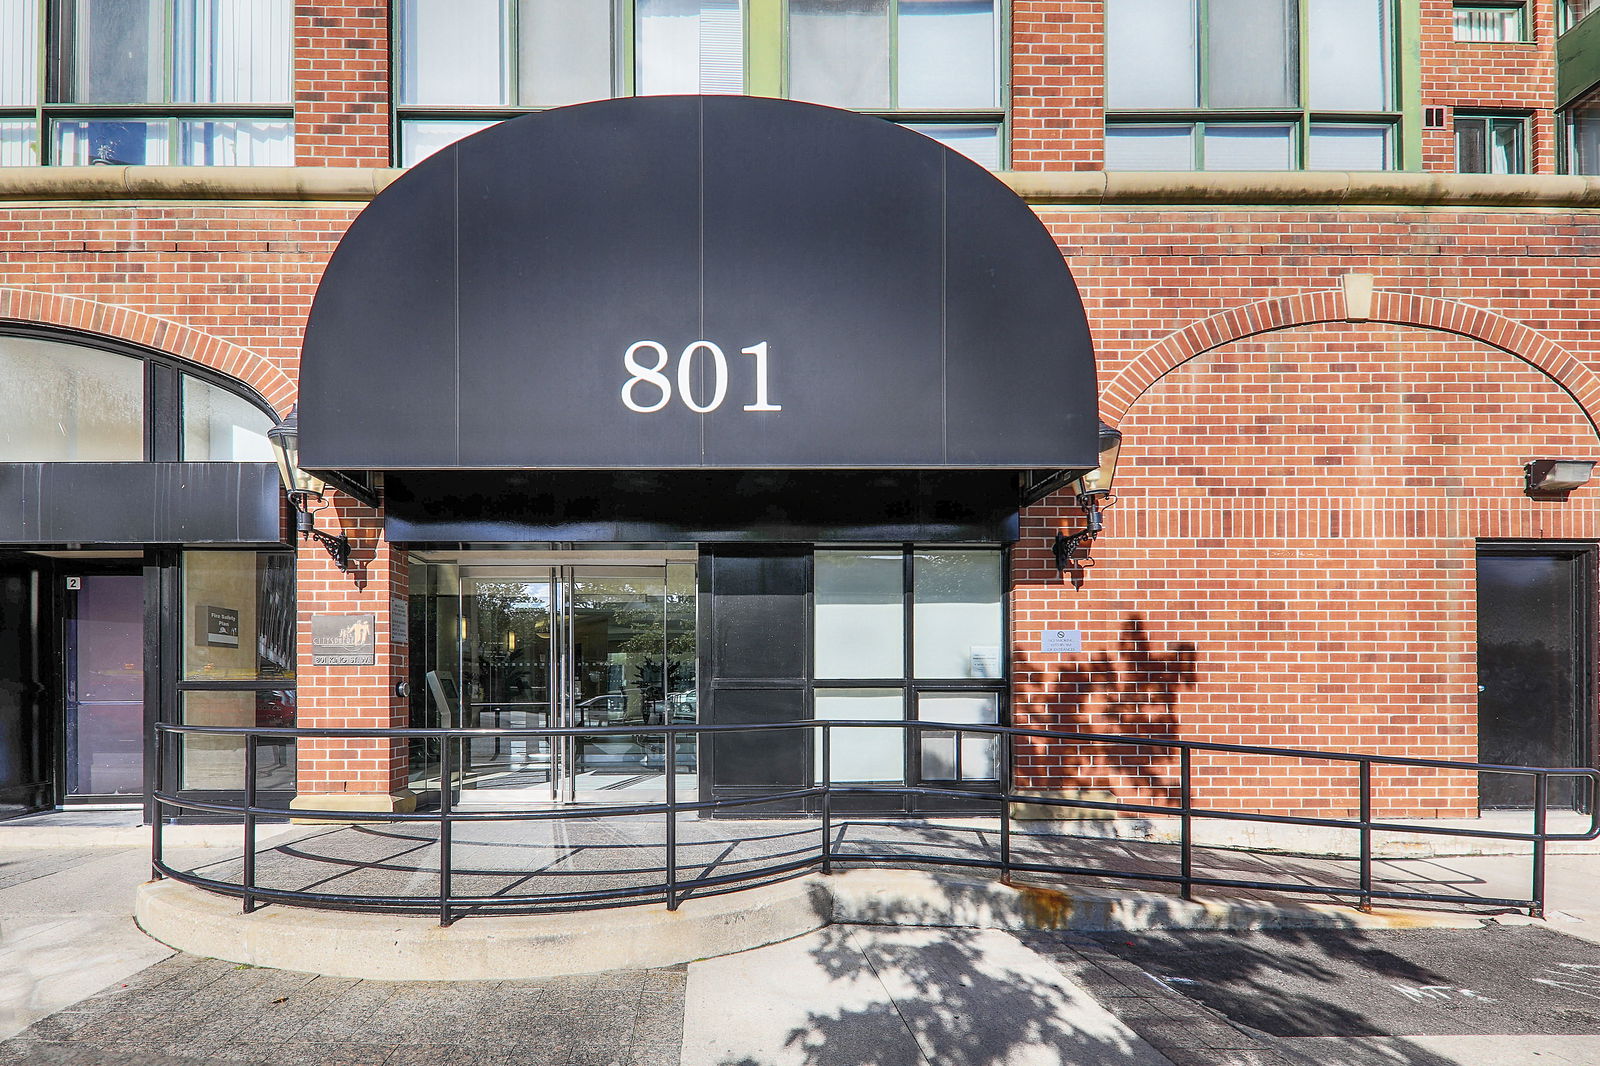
[
  {"x": 398, "y": 802},
  {"x": 1049, "y": 812}
]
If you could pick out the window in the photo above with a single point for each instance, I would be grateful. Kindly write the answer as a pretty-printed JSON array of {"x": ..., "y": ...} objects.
[
  {"x": 68, "y": 401},
  {"x": 1491, "y": 144},
  {"x": 1250, "y": 85},
  {"x": 937, "y": 57},
  {"x": 936, "y": 655},
  {"x": 195, "y": 82},
  {"x": 933, "y": 65},
  {"x": 1490, "y": 23},
  {"x": 238, "y": 667},
  {"x": 1573, "y": 12},
  {"x": 1580, "y": 134}
]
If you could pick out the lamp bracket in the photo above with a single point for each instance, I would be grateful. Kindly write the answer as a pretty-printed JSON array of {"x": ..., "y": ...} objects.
[{"x": 338, "y": 547}]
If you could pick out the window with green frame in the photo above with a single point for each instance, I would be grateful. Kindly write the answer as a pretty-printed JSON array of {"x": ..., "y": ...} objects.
[
  {"x": 933, "y": 65},
  {"x": 192, "y": 82},
  {"x": 1250, "y": 85}
]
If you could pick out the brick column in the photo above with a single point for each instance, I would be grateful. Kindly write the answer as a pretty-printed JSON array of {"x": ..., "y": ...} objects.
[
  {"x": 356, "y": 774},
  {"x": 341, "y": 84}
]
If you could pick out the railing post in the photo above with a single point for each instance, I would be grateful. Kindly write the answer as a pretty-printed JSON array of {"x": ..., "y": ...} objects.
[
  {"x": 249, "y": 822},
  {"x": 670, "y": 761},
  {"x": 1186, "y": 821},
  {"x": 1366, "y": 835},
  {"x": 445, "y": 774},
  {"x": 1005, "y": 814},
  {"x": 827, "y": 798},
  {"x": 155, "y": 811},
  {"x": 1541, "y": 809}
]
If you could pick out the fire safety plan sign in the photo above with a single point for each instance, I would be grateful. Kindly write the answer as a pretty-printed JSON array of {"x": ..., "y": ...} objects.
[{"x": 342, "y": 640}]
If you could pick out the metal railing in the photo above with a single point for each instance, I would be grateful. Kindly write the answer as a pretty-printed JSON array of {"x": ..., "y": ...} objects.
[{"x": 673, "y": 888}]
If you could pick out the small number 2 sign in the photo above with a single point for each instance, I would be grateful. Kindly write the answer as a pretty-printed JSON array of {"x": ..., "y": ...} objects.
[{"x": 74, "y": 584}]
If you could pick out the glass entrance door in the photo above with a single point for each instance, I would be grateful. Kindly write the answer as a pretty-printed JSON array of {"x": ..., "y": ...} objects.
[
  {"x": 104, "y": 659},
  {"x": 579, "y": 646}
]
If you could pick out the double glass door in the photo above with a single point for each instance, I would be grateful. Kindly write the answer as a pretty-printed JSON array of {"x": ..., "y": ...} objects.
[{"x": 574, "y": 647}]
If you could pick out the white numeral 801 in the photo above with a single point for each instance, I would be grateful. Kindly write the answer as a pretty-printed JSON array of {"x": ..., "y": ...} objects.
[{"x": 654, "y": 377}]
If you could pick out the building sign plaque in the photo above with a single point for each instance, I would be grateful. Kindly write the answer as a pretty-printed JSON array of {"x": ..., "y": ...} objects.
[
  {"x": 221, "y": 626},
  {"x": 1062, "y": 641},
  {"x": 342, "y": 640}
]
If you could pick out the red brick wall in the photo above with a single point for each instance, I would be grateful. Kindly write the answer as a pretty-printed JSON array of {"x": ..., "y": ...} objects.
[
  {"x": 1489, "y": 77},
  {"x": 1057, "y": 94},
  {"x": 341, "y": 84},
  {"x": 243, "y": 276},
  {"x": 335, "y": 696},
  {"x": 1290, "y": 562}
]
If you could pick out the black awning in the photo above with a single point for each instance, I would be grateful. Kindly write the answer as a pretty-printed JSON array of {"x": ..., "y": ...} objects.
[
  {"x": 139, "y": 503},
  {"x": 672, "y": 283}
]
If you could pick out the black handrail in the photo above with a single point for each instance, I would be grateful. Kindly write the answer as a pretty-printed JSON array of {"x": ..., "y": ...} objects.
[{"x": 450, "y": 905}]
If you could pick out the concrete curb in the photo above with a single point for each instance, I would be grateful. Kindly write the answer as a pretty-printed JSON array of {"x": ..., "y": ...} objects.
[{"x": 385, "y": 947}]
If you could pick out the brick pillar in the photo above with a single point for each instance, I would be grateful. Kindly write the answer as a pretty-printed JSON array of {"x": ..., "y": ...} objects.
[
  {"x": 356, "y": 774},
  {"x": 341, "y": 84}
]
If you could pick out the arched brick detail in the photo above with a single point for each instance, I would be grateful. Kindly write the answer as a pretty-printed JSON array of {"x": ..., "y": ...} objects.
[
  {"x": 163, "y": 335},
  {"x": 1395, "y": 308}
]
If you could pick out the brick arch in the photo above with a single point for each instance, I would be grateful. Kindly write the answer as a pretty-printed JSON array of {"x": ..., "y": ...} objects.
[
  {"x": 160, "y": 334},
  {"x": 1394, "y": 308}
]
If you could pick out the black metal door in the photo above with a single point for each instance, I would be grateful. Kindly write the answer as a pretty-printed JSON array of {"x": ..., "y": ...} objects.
[
  {"x": 1534, "y": 674},
  {"x": 24, "y": 703}
]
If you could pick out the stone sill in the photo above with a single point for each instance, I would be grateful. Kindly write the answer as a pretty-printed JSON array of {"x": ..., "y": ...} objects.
[{"x": 1092, "y": 188}]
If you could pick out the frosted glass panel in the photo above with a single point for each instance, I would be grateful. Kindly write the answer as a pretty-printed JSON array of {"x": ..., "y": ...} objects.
[
  {"x": 860, "y": 617},
  {"x": 956, "y": 614},
  {"x": 117, "y": 52},
  {"x": 1254, "y": 53},
  {"x": 947, "y": 53},
  {"x": 64, "y": 403},
  {"x": 268, "y": 143},
  {"x": 19, "y": 143},
  {"x": 979, "y": 142},
  {"x": 1149, "y": 148},
  {"x": 219, "y": 426},
  {"x": 1249, "y": 147},
  {"x": 454, "y": 52},
  {"x": 1350, "y": 54},
  {"x": 19, "y": 53},
  {"x": 421, "y": 137},
  {"x": 1349, "y": 148},
  {"x": 1150, "y": 54},
  {"x": 232, "y": 51},
  {"x": 839, "y": 52},
  {"x": 862, "y": 753},
  {"x": 566, "y": 52},
  {"x": 689, "y": 46},
  {"x": 952, "y": 756}
]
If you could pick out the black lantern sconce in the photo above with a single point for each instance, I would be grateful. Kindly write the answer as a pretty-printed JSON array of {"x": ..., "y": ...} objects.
[
  {"x": 1093, "y": 492},
  {"x": 1551, "y": 478},
  {"x": 305, "y": 491}
]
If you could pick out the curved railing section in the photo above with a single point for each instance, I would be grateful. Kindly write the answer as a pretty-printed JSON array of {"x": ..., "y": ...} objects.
[{"x": 455, "y": 861}]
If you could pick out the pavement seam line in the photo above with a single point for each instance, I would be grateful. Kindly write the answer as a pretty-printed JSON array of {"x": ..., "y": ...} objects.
[{"x": 922, "y": 1052}]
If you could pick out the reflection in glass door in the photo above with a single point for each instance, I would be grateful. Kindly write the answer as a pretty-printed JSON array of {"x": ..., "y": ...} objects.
[
  {"x": 104, "y": 658},
  {"x": 573, "y": 646}
]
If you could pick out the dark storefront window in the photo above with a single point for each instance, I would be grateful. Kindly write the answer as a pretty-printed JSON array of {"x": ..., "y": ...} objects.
[
  {"x": 238, "y": 665},
  {"x": 909, "y": 633}
]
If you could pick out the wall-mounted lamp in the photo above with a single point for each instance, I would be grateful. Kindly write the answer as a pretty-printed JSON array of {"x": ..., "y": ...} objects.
[
  {"x": 1093, "y": 491},
  {"x": 1555, "y": 477},
  {"x": 305, "y": 491}
]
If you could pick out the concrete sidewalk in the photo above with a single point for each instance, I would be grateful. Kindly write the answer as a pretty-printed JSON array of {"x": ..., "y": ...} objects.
[{"x": 845, "y": 994}]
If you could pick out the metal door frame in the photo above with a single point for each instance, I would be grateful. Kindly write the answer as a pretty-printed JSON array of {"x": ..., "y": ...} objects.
[
  {"x": 1586, "y": 623},
  {"x": 63, "y": 607}
]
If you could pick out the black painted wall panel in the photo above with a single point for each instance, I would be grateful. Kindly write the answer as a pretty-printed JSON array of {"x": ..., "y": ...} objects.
[{"x": 139, "y": 503}]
